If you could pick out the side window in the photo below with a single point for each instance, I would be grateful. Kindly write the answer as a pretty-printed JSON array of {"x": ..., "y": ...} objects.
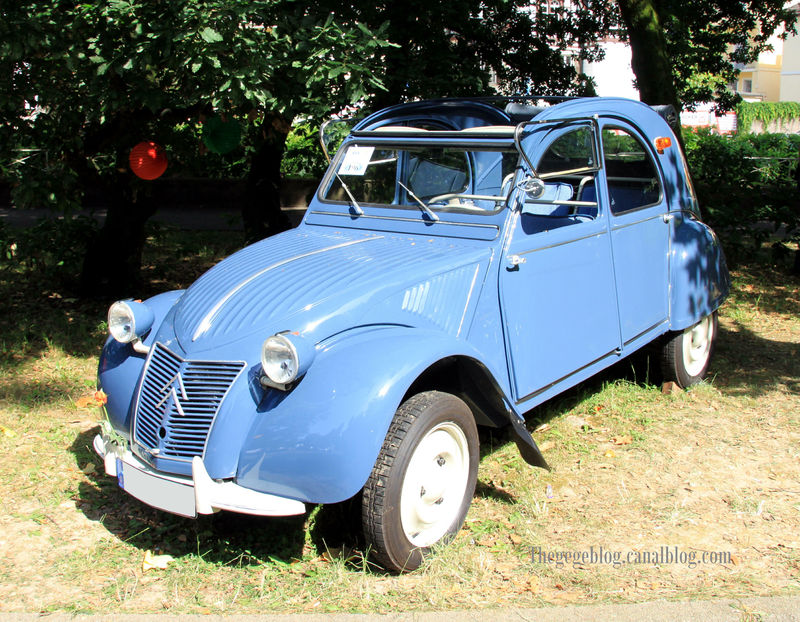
[
  {"x": 567, "y": 168},
  {"x": 570, "y": 151},
  {"x": 633, "y": 180}
]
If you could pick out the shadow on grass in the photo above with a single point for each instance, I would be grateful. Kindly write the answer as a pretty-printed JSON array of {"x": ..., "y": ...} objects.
[
  {"x": 748, "y": 364},
  {"x": 743, "y": 364},
  {"x": 226, "y": 538},
  {"x": 39, "y": 307}
]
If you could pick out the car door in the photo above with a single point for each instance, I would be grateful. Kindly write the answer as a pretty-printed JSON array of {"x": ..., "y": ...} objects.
[
  {"x": 640, "y": 227},
  {"x": 557, "y": 286}
]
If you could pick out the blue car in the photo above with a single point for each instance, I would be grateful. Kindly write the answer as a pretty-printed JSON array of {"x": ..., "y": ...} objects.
[{"x": 461, "y": 262}]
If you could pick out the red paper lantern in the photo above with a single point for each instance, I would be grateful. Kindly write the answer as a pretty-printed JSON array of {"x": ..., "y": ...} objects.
[{"x": 148, "y": 160}]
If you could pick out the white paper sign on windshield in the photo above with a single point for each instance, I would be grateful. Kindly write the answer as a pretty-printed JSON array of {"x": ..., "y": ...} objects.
[{"x": 356, "y": 160}]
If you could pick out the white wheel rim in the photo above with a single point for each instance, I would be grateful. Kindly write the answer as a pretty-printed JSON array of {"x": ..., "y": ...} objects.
[
  {"x": 434, "y": 484},
  {"x": 697, "y": 341}
]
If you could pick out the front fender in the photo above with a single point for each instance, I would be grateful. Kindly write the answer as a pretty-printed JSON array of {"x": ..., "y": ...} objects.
[
  {"x": 121, "y": 366},
  {"x": 318, "y": 442}
]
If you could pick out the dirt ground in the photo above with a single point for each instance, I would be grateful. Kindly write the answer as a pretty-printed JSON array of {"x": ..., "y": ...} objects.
[{"x": 710, "y": 476}]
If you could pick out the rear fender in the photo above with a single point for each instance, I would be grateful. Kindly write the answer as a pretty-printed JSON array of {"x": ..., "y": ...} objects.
[{"x": 700, "y": 280}]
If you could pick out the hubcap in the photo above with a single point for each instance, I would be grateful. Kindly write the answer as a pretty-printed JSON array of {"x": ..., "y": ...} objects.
[
  {"x": 697, "y": 346},
  {"x": 434, "y": 484}
]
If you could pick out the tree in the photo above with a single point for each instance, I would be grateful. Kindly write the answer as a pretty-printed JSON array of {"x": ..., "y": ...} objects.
[
  {"x": 699, "y": 44},
  {"x": 463, "y": 48},
  {"x": 87, "y": 81}
]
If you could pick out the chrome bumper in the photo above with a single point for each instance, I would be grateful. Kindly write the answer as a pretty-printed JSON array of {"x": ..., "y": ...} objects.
[{"x": 186, "y": 496}]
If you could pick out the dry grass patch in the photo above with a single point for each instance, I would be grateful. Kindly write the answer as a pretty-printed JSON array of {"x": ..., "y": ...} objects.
[{"x": 714, "y": 469}]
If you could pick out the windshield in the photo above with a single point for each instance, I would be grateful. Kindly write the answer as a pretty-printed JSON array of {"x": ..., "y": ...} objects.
[{"x": 422, "y": 177}]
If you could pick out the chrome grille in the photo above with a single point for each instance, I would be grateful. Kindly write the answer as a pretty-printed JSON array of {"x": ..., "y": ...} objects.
[{"x": 178, "y": 402}]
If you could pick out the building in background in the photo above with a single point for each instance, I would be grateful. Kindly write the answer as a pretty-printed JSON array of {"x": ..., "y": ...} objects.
[
  {"x": 790, "y": 68},
  {"x": 775, "y": 76}
]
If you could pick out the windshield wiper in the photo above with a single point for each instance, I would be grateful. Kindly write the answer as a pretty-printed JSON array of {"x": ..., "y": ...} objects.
[
  {"x": 354, "y": 204},
  {"x": 427, "y": 210}
]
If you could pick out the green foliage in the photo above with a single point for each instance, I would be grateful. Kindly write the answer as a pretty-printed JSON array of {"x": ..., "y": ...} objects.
[
  {"x": 447, "y": 49},
  {"x": 85, "y": 82},
  {"x": 303, "y": 156},
  {"x": 52, "y": 248},
  {"x": 707, "y": 42},
  {"x": 766, "y": 112},
  {"x": 747, "y": 187}
]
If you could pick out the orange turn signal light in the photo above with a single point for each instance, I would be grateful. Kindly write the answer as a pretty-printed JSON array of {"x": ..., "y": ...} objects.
[{"x": 663, "y": 142}]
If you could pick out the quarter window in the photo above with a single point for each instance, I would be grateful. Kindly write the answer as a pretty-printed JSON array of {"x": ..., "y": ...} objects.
[{"x": 633, "y": 181}]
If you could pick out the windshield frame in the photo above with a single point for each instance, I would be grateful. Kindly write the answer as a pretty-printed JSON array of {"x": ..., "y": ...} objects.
[{"x": 410, "y": 140}]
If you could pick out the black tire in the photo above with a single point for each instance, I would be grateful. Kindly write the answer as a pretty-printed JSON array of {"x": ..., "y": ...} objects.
[
  {"x": 430, "y": 431},
  {"x": 686, "y": 354}
]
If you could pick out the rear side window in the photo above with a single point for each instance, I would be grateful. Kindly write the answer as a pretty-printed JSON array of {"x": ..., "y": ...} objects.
[{"x": 633, "y": 180}]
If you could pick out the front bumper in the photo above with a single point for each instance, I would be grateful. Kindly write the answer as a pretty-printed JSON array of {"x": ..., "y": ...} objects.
[{"x": 186, "y": 496}]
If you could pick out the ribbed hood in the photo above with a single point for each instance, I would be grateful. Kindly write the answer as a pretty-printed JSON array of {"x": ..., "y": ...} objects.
[{"x": 301, "y": 278}]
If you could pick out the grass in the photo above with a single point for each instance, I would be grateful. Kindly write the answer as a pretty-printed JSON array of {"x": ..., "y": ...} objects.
[{"x": 711, "y": 469}]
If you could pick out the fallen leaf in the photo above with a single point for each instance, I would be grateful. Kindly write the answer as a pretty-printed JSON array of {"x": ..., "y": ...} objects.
[
  {"x": 85, "y": 402},
  {"x": 609, "y": 454},
  {"x": 6, "y": 432},
  {"x": 98, "y": 398},
  {"x": 622, "y": 440},
  {"x": 89, "y": 468},
  {"x": 515, "y": 539},
  {"x": 546, "y": 445},
  {"x": 158, "y": 562}
]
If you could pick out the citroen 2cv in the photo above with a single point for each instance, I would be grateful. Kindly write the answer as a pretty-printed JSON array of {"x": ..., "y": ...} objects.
[{"x": 461, "y": 262}]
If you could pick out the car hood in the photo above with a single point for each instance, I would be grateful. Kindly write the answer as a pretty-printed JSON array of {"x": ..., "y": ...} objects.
[{"x": 319, "y": 283}]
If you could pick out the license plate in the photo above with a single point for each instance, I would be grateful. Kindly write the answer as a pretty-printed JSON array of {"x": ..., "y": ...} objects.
[{"x": 156, "y": 490}]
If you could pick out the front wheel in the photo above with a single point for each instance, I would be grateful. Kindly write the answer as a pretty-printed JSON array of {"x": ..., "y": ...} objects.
[
  {"x": 422, "y": 484},
  {"x": 686, "y": 355}
]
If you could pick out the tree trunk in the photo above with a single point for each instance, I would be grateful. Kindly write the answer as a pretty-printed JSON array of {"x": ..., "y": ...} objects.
[
  {"x": 112, "y": 266},
  {"x": 261, "y": 212},
  {"x": 649, "y": 59}
]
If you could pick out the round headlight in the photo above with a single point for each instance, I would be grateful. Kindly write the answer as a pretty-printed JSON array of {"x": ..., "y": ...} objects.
[
  {"x": 279, "y": 359},
  {"x": 129, "y": 320},
  {"x": 121, "y": 322}
]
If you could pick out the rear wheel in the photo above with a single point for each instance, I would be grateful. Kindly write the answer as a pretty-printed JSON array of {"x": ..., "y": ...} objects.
[
  {"x": 686, "y": 354},
  {"x": 422, "y": 484}
]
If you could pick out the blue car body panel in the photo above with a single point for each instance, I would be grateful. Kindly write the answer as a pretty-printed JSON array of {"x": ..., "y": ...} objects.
[
  {"x": 531, "y": 294},
  {"x": 321, "y": 440}
]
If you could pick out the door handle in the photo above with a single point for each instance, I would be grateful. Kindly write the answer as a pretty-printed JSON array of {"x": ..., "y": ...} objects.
[{"x": 513, "y": 262}]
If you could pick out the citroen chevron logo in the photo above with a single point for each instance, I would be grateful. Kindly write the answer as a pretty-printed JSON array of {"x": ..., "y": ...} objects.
[{"x": 174, "y": 388}]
